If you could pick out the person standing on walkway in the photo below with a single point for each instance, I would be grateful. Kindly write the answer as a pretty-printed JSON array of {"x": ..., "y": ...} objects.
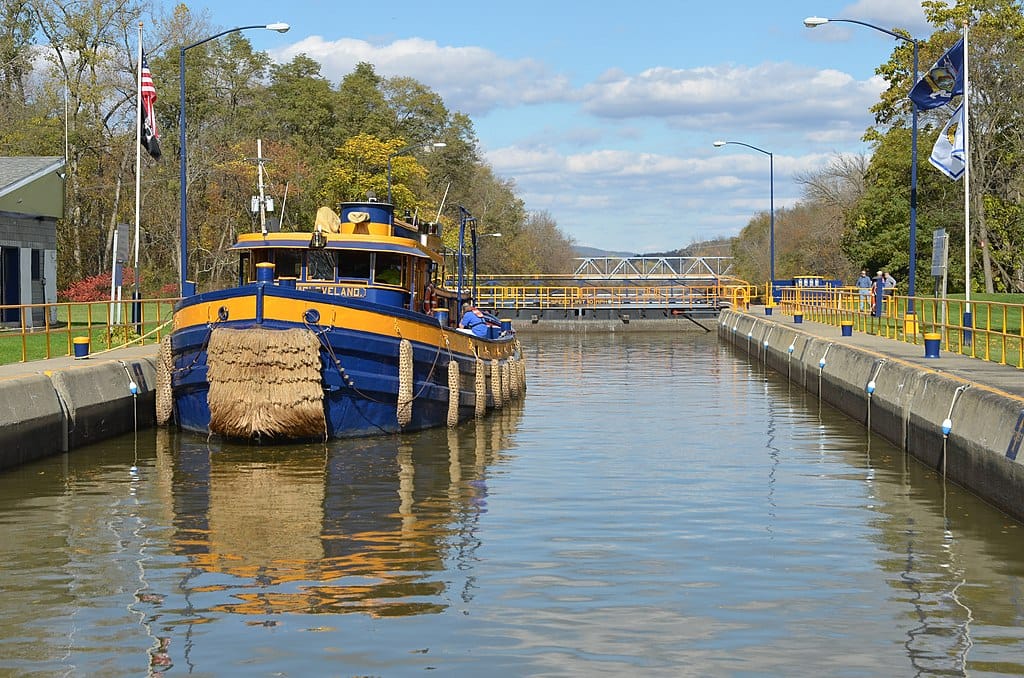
[
  {"x": 889, "y": 282},
  {"x": 864, "y": 291},
  {"x": 877, "y": 297}
]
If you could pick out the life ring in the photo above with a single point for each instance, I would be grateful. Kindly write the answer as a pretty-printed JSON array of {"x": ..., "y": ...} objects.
[{"x": 429, "y": 300}]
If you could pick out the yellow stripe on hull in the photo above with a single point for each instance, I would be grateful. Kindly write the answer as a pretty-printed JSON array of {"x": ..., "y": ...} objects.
[
  {"x": 203, "y": 314},
  {"x": 280, "y": 309}
]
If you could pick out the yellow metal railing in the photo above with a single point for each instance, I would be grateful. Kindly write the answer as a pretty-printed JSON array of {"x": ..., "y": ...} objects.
[
  {"x": 39, "y": 331},
  {"x": 995, "y": 331}
]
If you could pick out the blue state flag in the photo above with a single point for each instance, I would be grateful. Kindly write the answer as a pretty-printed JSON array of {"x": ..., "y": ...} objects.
[
  {"x": 948, "y": 153},
  {"x": 943, "y": 81}
]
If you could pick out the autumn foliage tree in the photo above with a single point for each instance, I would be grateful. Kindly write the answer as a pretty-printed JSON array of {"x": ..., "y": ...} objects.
[{"x": 322, "y": 143}]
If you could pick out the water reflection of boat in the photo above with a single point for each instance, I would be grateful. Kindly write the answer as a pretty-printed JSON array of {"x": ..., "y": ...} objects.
[
  {"x": 348, "y": 332},
  {"x": 368, "y": 525}
]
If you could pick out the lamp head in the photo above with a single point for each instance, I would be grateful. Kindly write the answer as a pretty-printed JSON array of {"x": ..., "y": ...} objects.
[
  {"x": 812, "y": 21},
  {"x": 437, "y": 144},
  {"x": 279, "y": 27},
  {"x": 719, "y": 144},
  {"x": 318, "y": 241}
]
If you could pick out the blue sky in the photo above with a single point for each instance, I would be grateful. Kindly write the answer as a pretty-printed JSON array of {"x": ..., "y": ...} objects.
[{"x": 604, "y": 114}]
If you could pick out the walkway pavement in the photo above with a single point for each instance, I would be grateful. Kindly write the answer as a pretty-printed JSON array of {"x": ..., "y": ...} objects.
[
  {"x": 1005, "y": 378},
  {"x": 68, "y": 362}
]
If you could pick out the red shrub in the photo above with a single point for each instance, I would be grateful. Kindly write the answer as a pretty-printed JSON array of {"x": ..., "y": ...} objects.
[{"x": 95, "y": 288}]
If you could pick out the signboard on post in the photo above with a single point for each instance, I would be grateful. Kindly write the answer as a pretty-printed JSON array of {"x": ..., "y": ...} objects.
[
  {"x": 940, "y": 262},
  {"x": 940, "y": 252},
  {"x": 120, "y": 258}
]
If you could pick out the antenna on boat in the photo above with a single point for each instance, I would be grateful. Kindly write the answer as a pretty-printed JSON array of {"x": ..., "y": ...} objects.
[
  {"x": 261, "y": 203},
  {"x": 443, "y": 198}
]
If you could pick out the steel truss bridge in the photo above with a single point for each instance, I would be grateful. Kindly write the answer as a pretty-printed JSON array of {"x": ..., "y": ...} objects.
[
  {"x": 642, "y": 268},
  {"x": 606, "y": 288}
]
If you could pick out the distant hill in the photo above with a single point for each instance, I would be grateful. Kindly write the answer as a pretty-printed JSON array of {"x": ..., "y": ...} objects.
[
  {"x": 721, "y": 247},
  {"x": 595, "y": 252}
]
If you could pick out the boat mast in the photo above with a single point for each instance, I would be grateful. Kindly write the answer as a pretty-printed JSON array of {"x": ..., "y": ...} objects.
[{"x": 263, "y": 202}]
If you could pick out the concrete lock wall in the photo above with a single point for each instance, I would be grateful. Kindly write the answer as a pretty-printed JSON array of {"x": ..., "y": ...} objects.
[
  {"x": 908, "y": 405},
  {"x": 99, "y": 403},
  {"x": 45, "y": 414},
  {"x": 31, "y": 420}
]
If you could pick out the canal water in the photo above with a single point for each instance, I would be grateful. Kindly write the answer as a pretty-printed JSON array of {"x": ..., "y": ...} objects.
[{"x": 656, "y": 505}]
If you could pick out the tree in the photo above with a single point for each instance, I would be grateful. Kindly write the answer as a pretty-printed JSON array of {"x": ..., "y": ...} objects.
[
  {"x": 87, "y": 56},
  {"x": 300, "y": 103},
  {"x": 15, "y": 54},
  {"x": 996, "y": 45},
  {"x": 361, "y": 107}
]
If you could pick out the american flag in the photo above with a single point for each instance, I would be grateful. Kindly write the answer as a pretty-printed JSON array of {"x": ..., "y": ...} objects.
[{"x": 150, "y": 136}]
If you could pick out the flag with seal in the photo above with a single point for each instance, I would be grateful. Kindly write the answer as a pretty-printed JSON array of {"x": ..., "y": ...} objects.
[{"x": 943, "y": 81}]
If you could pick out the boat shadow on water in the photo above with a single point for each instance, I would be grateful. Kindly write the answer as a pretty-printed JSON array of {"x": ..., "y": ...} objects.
[{"x": 364, "y": 525}]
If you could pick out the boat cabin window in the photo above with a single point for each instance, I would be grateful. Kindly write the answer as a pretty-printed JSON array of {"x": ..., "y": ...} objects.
[
  {"x": 388, "y": 269},
  {"x": 243, "y": 268},
  {"x": 287, "y": 263},
  {"x": 354, "y": 265},
  {"x": 320, "y": 265}
]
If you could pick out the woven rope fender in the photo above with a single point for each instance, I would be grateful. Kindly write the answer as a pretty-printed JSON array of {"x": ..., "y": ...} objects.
[
  {"x": 506, "y": 377},
  {"x": 496, "y": 382},
  {"x": 480, "y": 384},
  {"x": 404, "y": 382},
  {"x": 453, "y": 393},
  {"x": 513, "y": 378},
  {"x": 265, "y": 383},
  {"x": 521, "y": 364},
  {"x": 164, "y": 395}
]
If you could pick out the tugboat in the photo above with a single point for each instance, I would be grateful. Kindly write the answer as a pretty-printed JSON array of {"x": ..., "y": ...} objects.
[{"x": 343, "y": 331}]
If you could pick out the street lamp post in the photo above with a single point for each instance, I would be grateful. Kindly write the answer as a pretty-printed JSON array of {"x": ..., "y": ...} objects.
[
  {"x": 771, "y": 204},
  {"x": 465, "y": 219},
  {"x": 814, "y": 21},
  {"x": 183, "y": 234},
  {"x": 474, "y": 237},
  {"x": 429, "y": 144}
]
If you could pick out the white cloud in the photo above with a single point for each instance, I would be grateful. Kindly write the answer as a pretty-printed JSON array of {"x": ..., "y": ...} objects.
[
  {"x": 906, "y": 14},
  {"x": 647, "y": 202},
  {"x": 751, "y": 97},
  {"x": 625, "y": 162},
  {"x": 472, "y": 80}
]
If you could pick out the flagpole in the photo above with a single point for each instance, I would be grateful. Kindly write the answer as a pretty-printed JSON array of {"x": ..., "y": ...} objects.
[
  {"x": 138, "y": 169},
  {"x": 967, "y": 194}
]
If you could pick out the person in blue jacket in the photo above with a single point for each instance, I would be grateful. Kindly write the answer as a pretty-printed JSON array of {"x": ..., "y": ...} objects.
[{"x": 476, "y": 321}]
